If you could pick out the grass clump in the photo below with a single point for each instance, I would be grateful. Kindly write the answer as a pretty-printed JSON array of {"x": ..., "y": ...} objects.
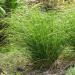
[
  {"x": 47, "y": 33},
  {"x": 44, "y": 34},
  {"x": 44, "y": 37}
]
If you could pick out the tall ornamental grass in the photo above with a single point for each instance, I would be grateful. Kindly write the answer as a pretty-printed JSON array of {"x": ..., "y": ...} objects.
[
  {"x": 44, "y": 37},
  {"x": 44, "y": 34}
]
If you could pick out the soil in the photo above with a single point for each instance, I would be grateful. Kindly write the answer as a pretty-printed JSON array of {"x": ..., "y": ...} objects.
[{"x": 59, "y": 68}]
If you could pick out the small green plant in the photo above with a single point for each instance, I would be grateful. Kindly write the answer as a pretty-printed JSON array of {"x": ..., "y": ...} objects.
[{"x": 71, "y": 71}]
